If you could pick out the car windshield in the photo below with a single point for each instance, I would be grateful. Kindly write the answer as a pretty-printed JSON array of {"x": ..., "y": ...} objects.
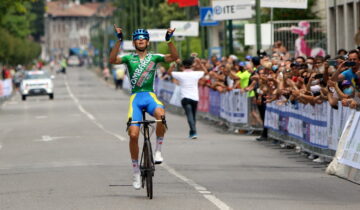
[{"x": 36, "y": 76}]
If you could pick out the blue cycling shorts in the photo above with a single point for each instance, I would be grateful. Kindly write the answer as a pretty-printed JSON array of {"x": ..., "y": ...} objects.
[{"x": 140, "y": 101}]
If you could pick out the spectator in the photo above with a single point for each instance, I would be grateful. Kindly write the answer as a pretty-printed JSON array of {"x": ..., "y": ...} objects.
[
  {"x": 357, "y": 37},
  {"x": 188, "y": 81}
]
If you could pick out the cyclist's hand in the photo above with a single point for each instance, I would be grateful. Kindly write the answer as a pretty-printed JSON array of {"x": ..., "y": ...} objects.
[
  {"x": 118, "y": 32},
  {"x": 169, "y": 34}
]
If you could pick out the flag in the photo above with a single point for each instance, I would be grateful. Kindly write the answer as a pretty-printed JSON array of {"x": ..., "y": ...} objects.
[{"x": 184, "y": 3}]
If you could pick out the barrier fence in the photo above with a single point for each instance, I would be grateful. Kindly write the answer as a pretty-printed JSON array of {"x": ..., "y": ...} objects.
[
  {"x": 6, "y": 89},
  {"x": 316, "y": 129}
]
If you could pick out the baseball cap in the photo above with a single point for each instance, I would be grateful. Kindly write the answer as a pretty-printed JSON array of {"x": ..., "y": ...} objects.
[{"x": 346, "y": 82}]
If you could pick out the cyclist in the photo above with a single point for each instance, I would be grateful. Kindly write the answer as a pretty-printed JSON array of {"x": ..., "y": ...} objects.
[{"x": 141, "y": 71}]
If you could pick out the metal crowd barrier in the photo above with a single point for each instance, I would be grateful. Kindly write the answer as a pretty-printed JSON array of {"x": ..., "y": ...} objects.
[{"x": 315, "y": 129}]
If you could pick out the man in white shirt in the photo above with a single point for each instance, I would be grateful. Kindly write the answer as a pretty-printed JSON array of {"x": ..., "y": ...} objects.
[{"x": 188, "y": 82}]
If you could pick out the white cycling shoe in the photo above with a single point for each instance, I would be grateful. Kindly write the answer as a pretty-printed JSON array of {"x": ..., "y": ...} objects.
[
  {"x": 158, "y": 157},
  {"x": 137, "y": 181}
]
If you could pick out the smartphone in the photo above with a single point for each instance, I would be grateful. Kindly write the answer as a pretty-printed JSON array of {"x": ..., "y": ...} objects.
[
  {"x": 332, "y": 62},
  {"x": 319, "y": 76},
  {"x": 350, "y": 63}
]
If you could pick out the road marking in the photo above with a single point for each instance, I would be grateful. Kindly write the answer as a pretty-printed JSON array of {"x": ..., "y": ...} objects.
[
  {"x": 202, "y": 190},
  {"x": 41, "y": 117},
  {"x": 89, "y": 115},
  {"x": 0, "y": 146},
  {"x": 53, "y": 138}
]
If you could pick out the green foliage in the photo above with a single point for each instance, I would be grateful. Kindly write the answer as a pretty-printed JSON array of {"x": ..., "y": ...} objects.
[
  {"x": 16, "y": 25},
  {"x": 37, "y": 24},
  {"x": 16, "y": 50},
  {"x": 194, "y": 46},
  {"x": 131, "y": 14}
]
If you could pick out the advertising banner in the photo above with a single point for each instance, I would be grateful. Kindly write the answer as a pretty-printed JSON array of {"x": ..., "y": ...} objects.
[
  {"x": 127, "y": 45},
  {"x": 295, "y": 4},
  {"x": 157, "y": 35},
  {"x": 185, "y": 28},
  {"x": 203, "y": 105},
  {"x": 232, "y": 9},
  {"x": 7, "y": 87},
  {"x": 234, "y": 107},
  {"x": 214, "y": 100},
  {"x": 351, "y": 148},
  {"x": 176, "y": 97},
  {"x": 250, "y": 34},
  {"x": 1, "y": 88},
  {"x": 304, "y": 122}
]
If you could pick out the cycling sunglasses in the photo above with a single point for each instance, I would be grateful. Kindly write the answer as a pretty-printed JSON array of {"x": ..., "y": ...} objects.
[{"x": 138, "y": 37}]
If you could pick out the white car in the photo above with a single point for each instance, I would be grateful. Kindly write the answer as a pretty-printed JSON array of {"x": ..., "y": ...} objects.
[
  {"x": 37, "y": 83},
  {"x": 73, "y": 61}
]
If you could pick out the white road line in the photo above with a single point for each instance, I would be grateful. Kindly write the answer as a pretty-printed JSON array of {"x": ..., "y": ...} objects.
[
  {"x": 41, "y": 117},
  {"x": 202, "y": 190},
  {"x": 0, "y": 146},
  {"x": 89, "y": 115}
]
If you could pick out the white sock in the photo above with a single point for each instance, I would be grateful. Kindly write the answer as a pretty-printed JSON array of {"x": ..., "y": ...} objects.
[
  {"x": 159, "y": 141},
  {"x": 135, "y": 165}
]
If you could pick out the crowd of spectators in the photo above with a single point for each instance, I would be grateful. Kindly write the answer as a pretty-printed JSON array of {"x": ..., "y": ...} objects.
[{"x": 279, "y": 78}]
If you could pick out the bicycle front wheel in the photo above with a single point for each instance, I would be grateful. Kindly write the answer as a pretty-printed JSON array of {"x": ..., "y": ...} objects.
[{"x": 149, "y": 166}]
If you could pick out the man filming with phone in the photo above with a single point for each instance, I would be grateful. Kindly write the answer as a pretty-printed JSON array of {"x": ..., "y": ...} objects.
[
  {"x": 349, "y": 69},
  {"x": 141, "y": 67}
]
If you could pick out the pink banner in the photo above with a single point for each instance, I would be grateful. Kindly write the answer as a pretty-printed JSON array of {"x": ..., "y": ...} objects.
[{"x": 203, "y": 105}]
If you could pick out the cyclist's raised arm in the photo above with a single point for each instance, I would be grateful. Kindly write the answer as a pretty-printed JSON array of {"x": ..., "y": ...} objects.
[
  {"x": 173, "y": 56},
  {"x": 114, "y": 59}
]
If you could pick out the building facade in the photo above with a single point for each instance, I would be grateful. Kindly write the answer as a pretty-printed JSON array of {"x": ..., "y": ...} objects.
[
  {"x": 68, "y": 24},
  {"x": 343, "y": 20}
]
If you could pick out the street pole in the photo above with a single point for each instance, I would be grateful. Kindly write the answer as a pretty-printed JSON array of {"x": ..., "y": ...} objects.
[
  {"x": 231, "y": 46},
  {"x": 225, "y": 40},
  {"x": 258, "y": 25},
  {"x": 202, "y": 32},
  {"x": 272, "y": 26}
]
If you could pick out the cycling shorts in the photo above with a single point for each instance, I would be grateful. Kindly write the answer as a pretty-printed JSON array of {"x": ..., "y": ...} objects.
[{"x": 140, "y": 101}]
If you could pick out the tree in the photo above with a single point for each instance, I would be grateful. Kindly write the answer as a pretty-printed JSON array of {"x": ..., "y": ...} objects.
[{"x": 16, "y": 20}]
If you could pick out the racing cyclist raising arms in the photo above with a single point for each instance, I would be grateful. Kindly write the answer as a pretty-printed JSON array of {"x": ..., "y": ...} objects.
[{"x": 141, "y": 68}]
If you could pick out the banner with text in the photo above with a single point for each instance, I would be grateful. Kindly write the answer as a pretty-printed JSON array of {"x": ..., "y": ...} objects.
[
  {"x": 304, "y": 122},
  {"x": 232, "y": 9},
  {"x": 294, "y": 4}
]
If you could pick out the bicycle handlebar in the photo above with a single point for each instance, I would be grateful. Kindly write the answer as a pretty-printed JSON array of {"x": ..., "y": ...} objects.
[{"x": 146, "y": 122}]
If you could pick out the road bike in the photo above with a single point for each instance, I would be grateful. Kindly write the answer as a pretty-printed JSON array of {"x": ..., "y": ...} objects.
[{"x": 147, "y": 164}]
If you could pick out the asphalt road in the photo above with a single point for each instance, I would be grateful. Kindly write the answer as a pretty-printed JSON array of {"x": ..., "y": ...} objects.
[{"x": 72, "y": 153}]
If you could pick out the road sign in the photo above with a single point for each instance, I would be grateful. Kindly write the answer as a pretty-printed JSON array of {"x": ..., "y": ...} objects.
[
  {"x": 294, "y": 4},
  {"x": 217, "y": 51},
  {"x": 207, "y": 17},
  {"x": 232, "y": 9}
]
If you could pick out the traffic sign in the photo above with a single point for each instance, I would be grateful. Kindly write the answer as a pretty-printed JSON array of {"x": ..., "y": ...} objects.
[{"x": 207, "y": 17}]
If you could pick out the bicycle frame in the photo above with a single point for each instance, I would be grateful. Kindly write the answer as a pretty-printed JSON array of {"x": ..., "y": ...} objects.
[{"x": 147, "y": 163}]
